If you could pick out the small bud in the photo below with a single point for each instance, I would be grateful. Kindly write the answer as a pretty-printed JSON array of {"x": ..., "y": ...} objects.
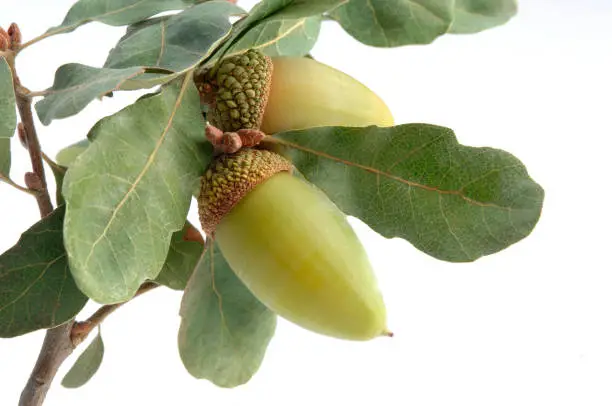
[
  {"x": 33, "y": 181},
  {"x": 15, "y": 35},
  {"x": 192, "y": 234}
]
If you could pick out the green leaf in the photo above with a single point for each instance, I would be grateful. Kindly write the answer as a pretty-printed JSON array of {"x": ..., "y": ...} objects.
[
  {"x": 115, "y": 12},
  {"x": 5, "y": 156},
  {"x": 416, "y": 182},
  {"x": 182, "y": 259},
  {"x": 393, "y": 23},
  {"x": 86, "y": 365},
  {"x": 472, "y": 16},
  {"x": 131, "y": 189},
  {"x": 175, "y": 43},
  {"x": 66, "y": 156},
  {"x": 76, "y": 85},
  {"x": 149, "y": 79},
  {"x": 276, "y": 36},
  {"x": 224, "y": 329},
  {"x": 8, "y": 116},
  {"x": 292, "y": 8},
  {"x": 281, "y": 10},
  {"x": 59, "y": 172},
  {"x": 36, "y": 288}
]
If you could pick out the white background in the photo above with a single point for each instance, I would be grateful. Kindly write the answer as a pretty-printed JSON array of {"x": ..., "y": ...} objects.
[{"x": 527, "y": 326}]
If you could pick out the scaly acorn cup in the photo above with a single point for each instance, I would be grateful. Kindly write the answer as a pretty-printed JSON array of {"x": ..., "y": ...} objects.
[
  {"x": 239, "y": 87},
  {"x": 278, "y": 94},
  {"x": 291, "y": 246}
]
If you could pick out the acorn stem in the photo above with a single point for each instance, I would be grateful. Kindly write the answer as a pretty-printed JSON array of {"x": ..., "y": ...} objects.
[{"x": 232, "y": 142}]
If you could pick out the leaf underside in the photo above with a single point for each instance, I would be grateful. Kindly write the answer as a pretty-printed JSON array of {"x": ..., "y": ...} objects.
[
  {"x": 8, "y": 115},
  {"x": 224, "y": 329},
  {"x": 174, "y": 43},
  {"x": 115, "y": 12},
  {"x": 76, "y": 86},
  {"x": 131, "y": 189},
  {"x": 5, "y": 156},
  {"x": 473, "y": 16},
  {"x": 183, "y": 256},
  {"x": 86, "y": 365}
]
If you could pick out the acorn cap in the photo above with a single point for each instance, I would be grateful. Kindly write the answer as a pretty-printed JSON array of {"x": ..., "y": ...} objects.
[
  {"x": 240, "y": 86},
  {"x": 231, "y": 177}
]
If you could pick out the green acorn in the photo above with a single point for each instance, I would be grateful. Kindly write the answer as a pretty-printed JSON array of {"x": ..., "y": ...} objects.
[
  {"x": 278, "y": 94},
  {"x": 306, "y": 93},
  {"x": 291, "y": 246}
]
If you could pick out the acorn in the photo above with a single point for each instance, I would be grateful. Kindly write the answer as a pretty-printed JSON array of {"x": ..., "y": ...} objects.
[
  {"x": 291, "y": 246},
  {"x": 277, "y": 94},
  {"x": 306, "y": 93}
]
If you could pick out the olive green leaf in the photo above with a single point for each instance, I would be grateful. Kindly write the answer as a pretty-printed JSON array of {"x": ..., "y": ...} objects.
[
  {"x": 276, "y": 36},
  {"x": 36, "y": 288},
  {"x": 307, "y": 8},
  {"x": 59, "y": 172},
  {"x": 66, "y": 156},
  {"x": 150, "y": 78},
  {"x": 76, "y": 85},
  {"x": 177, "y": 42},
  {"x": 393, "y": 23},
  {"x": 86, "y": 365},
  {"x": 292, "y": 9},
  {"x": 477, "y": 15},
  {"x": 182, "y": 258},
  {"x": 416, "y": 182},
  {"x": 5, "y": 156},
  {"x": 115, "y": 12},
  {"x": 131, "y": 189},
  {"x": 289, "y": 10},
  {"x": 224, "y": 329},
  {"x": 8, "y": 116}
]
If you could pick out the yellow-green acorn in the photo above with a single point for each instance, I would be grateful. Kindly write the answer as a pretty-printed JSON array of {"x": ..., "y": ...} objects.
[
  {"x": 252, "y": 90},
  {"x": 291, "y": 246},
  {"x": 306, "y": 93}
]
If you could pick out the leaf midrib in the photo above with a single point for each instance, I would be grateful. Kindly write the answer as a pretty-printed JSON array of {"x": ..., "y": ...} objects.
[
  {"x": 31, "y": 285},
  {"x": 144, "y": 170},
  {"x": 388, "y": 175}
]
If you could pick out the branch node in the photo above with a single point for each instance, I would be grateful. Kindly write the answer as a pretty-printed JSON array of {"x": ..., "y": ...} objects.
[
  {"x": 33, "y": 181},
  {"x": 80, "y": 331}
]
